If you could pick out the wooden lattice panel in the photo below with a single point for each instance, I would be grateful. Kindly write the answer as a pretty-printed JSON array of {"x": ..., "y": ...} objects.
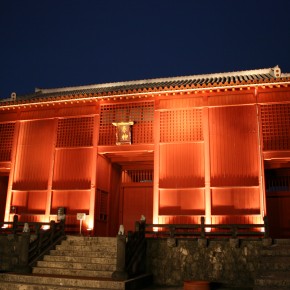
[
  {"x": 6, "y": 137},
  {"x": 75, "y": 132},
  {"x": 129, "y": 176},
  {"x": 141, "y": 113},
  {"x": 181, "y": 126},
  {"x": 276, "y": 126}
]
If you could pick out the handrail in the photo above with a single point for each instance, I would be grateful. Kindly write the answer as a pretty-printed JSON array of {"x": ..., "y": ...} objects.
[
  {"x": 32, "y": 240},
  {"x": 204, "y": 230},
  {"x": 131, "y": 253},
  {"x": 136, "y": 250}
]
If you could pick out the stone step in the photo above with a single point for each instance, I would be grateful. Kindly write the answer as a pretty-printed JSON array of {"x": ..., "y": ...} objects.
[
  {"x": 269, "y": 288},
  {"x": 282, "y": 242},
  {"x": 72, "y": 272},
  {"x": 90, "y": 240},
  {"x": 80, "y": 259},
  {"x": 35, "y": 282},
  {"x": 276, "y": 250},
  {"x": 21, "y": 286},
  {"x": 82, "y": 248},
  {"x": 275, "y": 263},
  {"x": 273, "y": 279},
  {"x": 95, "y": 254},
  {"x": 77, "y": 265}
]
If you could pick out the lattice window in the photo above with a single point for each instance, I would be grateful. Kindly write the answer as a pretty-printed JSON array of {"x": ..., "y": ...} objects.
[
  {"x": 181, "y": 125},
  {"x": 137, "y": 176},
  {"x": 75, "y": 132},
  {"x": 6, "y": 139},
  {"x": 102, "y": 205},
  {"x": 276, "y": 126},
  {"x": 141, "y": 113}
]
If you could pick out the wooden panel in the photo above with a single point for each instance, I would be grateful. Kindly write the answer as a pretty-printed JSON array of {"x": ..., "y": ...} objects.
[
  {"x": 31, "y": 218},
  {"x": 8, "y": 116},
  {"x": 181, "y": 165},
  {"x": 73, "y": 201},
  {"x": 33, "y": 158},
  {"x": 183, "y": 101},
  {"x": 73, "y": 168},
  {"x": 29, "y": 202},
  {"x": 179, "y": 219},
  {"x": 237, "y": 219},
  {"x": 282, "y": 95},
  {"x": 231, "y": 99},
  {"x": 181, "y": 202},
  {"x": 233, "y": 201},
  {"x": 234, "y": 146},
  {"x": 41, "y": 111}
]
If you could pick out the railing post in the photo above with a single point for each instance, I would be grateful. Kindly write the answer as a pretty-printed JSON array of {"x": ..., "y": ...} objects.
[
  {"x": 15, "y": 224},
  {"x": 120, "y": 273},
  {"x": 266, "y": 227},
  {"x": 267, "y": 241},
  {"x": 202, "y": 241},
  {"x": 52, "y": 231},
  {"x": 202, "y": 227},
  {"x": 234, "y": 231}
]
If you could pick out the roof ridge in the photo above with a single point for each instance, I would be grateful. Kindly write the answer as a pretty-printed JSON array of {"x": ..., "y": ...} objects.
[{"x": 158, "y": 80}]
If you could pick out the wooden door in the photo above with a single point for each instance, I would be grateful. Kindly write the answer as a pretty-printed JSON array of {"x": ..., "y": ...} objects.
[
  {"x": 3, "y": 195},
  {"x": 137, "y": 201},
  {"x": 278, "y": 201}
]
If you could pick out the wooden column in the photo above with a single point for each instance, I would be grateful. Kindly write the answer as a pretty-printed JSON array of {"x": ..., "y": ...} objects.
[
  {"x": 156, "y": 139},
  {"x": 207, "y": 165},
  {"x": 50, "y": 177},
  {"x": 12, "y": 170}
]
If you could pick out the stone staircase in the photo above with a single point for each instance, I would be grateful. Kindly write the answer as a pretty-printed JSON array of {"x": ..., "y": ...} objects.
[
  {"x": 275, "y": 267},
  {"x": 81, "y": 263}
]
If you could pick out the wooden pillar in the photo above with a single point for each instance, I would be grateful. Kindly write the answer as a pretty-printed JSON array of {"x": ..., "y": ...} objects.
[
  {"x": 207, "y": 165},
  {"x": 91, "y": 222},
  {"x": 50, "y": 177},
  {"x": 263, "y": 207},
  {"x": 156, "y": 138},
  {"x": 12, "y": 170}
]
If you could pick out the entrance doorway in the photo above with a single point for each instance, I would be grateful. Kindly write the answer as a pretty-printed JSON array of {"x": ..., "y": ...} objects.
[
  {"x": 3, "y": 194},
  {"x": 131, "y": 186},
  {"x": 277, "y": 185}
]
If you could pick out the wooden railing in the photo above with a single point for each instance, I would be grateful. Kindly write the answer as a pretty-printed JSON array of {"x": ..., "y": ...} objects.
[
  {"x": 131, "y": 253},
  {"x": 29, "y": 242},
  {"x": 204, "y": 230}
]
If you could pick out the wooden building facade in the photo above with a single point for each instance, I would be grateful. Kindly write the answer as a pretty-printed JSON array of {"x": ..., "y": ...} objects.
[{"x": 171, "y": 149}]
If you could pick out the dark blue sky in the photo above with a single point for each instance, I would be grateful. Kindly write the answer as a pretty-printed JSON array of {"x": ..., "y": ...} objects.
[{"x": 57, "y": 43}]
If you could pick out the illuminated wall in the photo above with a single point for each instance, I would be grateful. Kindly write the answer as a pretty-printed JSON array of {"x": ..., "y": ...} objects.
[{"x": 209, "y": 150}]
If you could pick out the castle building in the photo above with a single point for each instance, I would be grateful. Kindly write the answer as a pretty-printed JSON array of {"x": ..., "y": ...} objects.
[{"x": 171, "y": 149}]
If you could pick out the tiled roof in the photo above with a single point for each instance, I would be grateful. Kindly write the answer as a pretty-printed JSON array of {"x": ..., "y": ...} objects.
[{"x": 194, "y": 81}]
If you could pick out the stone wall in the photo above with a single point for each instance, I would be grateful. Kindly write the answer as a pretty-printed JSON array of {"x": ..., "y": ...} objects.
[
  {"x": 230, "y": 262},
  {"x": 13, "y": 252}
]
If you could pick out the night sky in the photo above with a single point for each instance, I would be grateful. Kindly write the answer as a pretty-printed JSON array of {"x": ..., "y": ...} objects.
[{"x": 59, "y": 43}]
